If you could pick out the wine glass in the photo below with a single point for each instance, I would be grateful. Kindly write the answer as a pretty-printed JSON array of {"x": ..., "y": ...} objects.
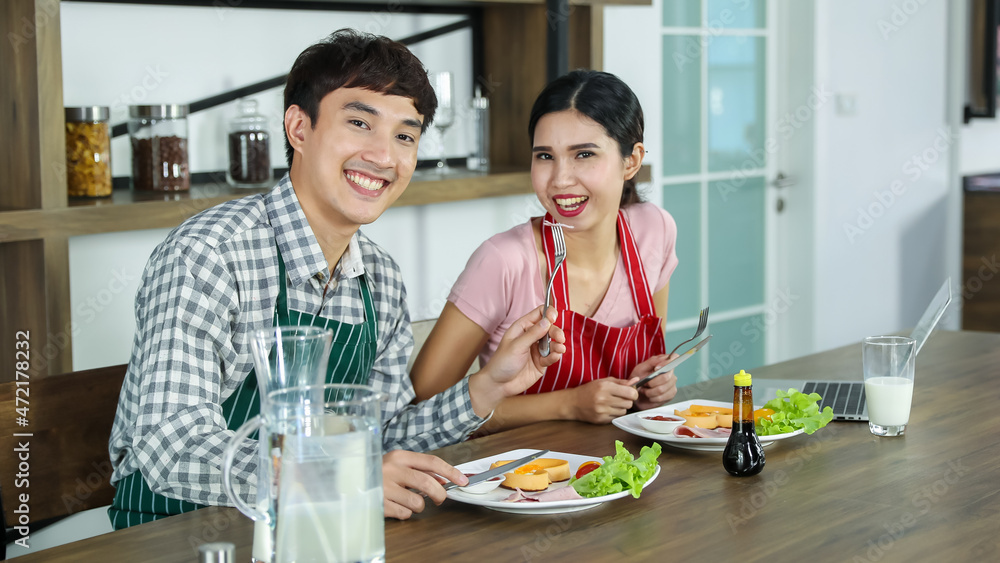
[{"x": 445, "y": 115}]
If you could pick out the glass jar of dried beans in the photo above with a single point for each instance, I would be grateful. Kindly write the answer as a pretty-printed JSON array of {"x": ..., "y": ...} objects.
[
  {"x": 249, "y": 148},
  {"x": 159, "y": 136},
  {"x": 88, "y": 151}
]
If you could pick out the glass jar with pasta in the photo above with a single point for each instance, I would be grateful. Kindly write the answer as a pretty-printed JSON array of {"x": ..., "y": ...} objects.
[{"x": 88, "y": 151}]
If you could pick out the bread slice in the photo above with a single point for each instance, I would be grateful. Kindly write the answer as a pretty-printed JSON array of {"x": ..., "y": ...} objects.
[
  {"x": 535, "y": 480},
  {"x": 536, "y": 475}
]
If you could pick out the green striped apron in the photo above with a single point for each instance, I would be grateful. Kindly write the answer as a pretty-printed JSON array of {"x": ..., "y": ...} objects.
[{"x": 352, "y": 356}]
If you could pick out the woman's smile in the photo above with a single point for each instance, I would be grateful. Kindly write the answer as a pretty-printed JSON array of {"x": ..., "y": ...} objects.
[{"x": 570, "y": 205}]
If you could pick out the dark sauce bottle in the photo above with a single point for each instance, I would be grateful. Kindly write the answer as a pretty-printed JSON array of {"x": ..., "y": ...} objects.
[{"x": 743, "y": 455}]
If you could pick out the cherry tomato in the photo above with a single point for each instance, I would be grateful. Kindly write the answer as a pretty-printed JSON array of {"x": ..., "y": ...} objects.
[{"x": 587, "y": 468}]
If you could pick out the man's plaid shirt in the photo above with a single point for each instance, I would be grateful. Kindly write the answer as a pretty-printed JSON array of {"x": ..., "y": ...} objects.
[{"x": 205, "y": 289}]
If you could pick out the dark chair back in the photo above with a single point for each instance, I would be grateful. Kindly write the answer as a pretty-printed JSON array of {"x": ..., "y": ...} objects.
[{"x": 61, "y": 462}]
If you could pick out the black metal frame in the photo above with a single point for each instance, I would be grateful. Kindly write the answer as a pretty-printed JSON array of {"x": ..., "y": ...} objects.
[
  {"x": 987, "y": 73},
  {"x": 556, "y": 39},
  {"x": 406, "y": 6}
]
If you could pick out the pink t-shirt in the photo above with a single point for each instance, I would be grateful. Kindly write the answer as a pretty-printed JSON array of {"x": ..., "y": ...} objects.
[{"x": 502, "y": 282}]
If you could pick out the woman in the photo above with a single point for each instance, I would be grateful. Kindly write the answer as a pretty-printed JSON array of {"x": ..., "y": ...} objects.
[{"x": 586, "y": 130}]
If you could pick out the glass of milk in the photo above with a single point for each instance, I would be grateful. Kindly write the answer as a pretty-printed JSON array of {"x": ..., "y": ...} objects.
[
  {"x": 324, "y": 475},
  {"x": 887, "y": 363}
]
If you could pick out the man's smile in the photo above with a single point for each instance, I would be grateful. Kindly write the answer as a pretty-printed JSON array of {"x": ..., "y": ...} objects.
[{"x": 365, "y": 182}]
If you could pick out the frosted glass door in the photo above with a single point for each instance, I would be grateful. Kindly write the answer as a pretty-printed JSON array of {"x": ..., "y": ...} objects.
[{"x": 715, "y": 163}]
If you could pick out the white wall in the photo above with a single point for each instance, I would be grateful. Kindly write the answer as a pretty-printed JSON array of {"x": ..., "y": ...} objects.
[
  {"x": 880, "y": 255},
  {"x": 104, "y": 274}
]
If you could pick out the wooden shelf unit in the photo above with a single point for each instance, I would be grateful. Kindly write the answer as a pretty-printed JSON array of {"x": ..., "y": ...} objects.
[
  {"x": 980, "y": 288},
  {"x": 37, "y": 217}
]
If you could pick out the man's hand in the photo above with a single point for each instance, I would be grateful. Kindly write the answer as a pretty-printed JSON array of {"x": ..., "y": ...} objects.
[
  {"x": 403, "y": 471},
  {"x": 661, "y": 388},
  {"x": 516, "y": 365},
  {"x": 601, "y": 400}
]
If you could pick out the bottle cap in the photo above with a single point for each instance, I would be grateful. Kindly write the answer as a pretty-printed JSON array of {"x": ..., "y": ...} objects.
[
  {"x": 88, "y": 113},
  {"x": 741, "y": 379},
  {"x": 217, "y": 552},
  {"x": 159, "y": 111}
]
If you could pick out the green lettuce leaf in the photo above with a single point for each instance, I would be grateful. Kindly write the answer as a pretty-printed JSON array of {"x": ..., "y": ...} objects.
[
  {"x": 793, "y": 411},
  {"x": 620, "y": 473}
]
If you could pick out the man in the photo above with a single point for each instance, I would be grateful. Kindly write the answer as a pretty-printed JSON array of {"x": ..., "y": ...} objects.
[{"x": 355, "y": 108}]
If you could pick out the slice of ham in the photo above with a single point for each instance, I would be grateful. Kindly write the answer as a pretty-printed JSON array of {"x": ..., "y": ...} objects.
[
  {"x": 520, "y": 496},
  {"x": 562, "y": 493},
  {"x": 694, "y": 432}
]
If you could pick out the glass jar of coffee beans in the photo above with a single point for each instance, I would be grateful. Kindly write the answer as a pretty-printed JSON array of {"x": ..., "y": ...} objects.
[
  {"x": 159, "y": 135},
  {"x": 249, "y": 148}
]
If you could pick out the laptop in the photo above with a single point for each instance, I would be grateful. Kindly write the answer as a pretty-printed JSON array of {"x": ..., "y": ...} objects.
[{"x": 847, "y": 398}]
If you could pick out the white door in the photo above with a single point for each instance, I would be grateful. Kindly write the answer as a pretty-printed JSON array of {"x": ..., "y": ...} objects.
[{"x": 722, "y": 143}]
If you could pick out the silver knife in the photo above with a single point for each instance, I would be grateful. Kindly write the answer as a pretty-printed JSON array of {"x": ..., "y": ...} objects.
[
  {"x": 674, "y": 362},
  {"x": 486, "y": 475}
]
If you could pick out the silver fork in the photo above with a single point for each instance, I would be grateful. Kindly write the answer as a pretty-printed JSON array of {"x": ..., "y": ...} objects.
[
  {"x": 560, "y": 256},
  {"x": 702, "y": 323}
]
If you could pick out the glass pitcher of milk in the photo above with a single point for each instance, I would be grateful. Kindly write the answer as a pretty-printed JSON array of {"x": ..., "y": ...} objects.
[
  {"x": 325, "y": 482},
  {"x": 284, "y": 357}
]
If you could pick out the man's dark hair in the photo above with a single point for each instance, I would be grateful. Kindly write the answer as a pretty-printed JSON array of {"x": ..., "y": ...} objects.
[
  {"x": 352, "y": 59},
  {"x": 603, "y": 97}
]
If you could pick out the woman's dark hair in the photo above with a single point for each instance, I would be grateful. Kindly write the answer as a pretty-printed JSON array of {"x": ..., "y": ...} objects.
[
  {"x": 607, "y": 100},
  {"x": 352, "y": 59}
]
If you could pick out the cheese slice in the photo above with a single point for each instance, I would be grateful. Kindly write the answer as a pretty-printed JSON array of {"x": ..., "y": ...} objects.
[{"x": 708, "y": 421}]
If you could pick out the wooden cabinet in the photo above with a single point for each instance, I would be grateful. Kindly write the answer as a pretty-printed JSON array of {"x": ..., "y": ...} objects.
[
  {"x": 980, "y": 287},
  {"x": 37, "y": 218}
]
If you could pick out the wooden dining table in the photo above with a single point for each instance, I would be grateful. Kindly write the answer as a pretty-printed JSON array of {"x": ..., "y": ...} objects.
[{"x": 841, "y": 494}]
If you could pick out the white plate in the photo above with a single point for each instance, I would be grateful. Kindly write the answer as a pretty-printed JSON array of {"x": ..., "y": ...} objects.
[
  {"x": 631, "y": 424},
  {"x": 494, "y": 500}
]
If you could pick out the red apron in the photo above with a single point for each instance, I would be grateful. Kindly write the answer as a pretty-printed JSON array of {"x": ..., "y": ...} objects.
[{"x": 594, "y": 350}]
